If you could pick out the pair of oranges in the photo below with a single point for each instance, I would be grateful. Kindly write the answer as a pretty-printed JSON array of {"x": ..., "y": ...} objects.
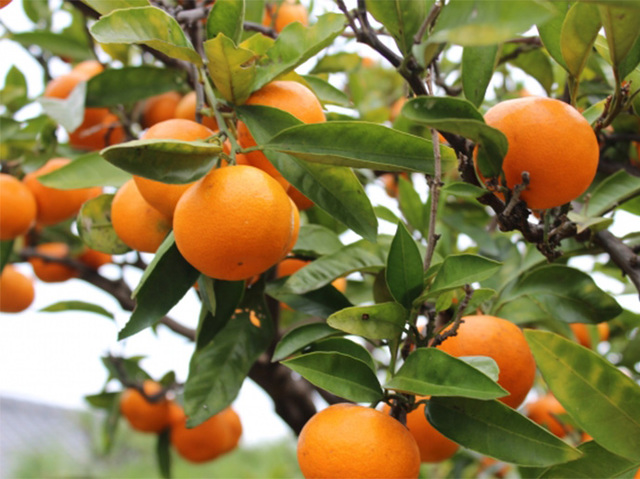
[{"x": 214, "y": 437}]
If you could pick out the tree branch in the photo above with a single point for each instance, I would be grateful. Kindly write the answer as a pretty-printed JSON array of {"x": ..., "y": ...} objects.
[{"x": 623, "y": 256}]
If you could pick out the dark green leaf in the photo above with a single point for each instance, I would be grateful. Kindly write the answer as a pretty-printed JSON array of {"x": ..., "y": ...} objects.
[
  {"x": 217, "y": 371},
  {"x": 537, "y": 64},
  {"x": 105, "y": 89},
  {"x": 401, "y": 18},
  {"x": 463, "y": 190},
  {"x": 404, "y": 271},
  {"x": 338, "y": 373},
  {"x": 459, "y": 116},
  {"x": 386, "y": 214},
  {"x": 85, "y": 171},
  {"x": 551, "y": 30},
  {"x": 95, "y": 227},
  {"x": 57, "y": 44},
  {"x": 14, "y": 93},
  {"x": 613, "y": 191},
  {"x": 296, "y": 44},
  {"x": 168, "y": 161},
  {"x": 163, "y": 453},
  {"x": 431, "y": 372},
  {"x": 127, "y": 369},
  {"x": 495, "y": 429},
  {"x": 103, "y": 400},
  {"x": 165, "y": 281},
  {"x": 254, "y": 11},
  {"x": 336, "y": 190},
  {"x": 556, "y": 292},
  {"x": 326, "y": 92},
  {"x": 110, "y": 425},
  {"x": 232, "y": 68},
  {"x": 300, "y": 337},
  {"x": 622, "y": 28},
  {"x": 458, "y": 270},
  {"x": 601, "y": 399},
  {"x": 411, "y": 206},
  {"x": 579, "y": 31},
  {"x": 226, "y": 298},
  {"x": 320, "y": 303},
  {"x": 379, "y": 321},
  {"x": 630, "y": 62},
  {"x": 478, "y": 64},
  {"x": 344, "y": 346},
  {"x": 64, "y": 306},
  {"x": 316, "y": 240},
  {"x": 37, "y": 10},
  {"x": 227, "y": 17},
  {"x": 147, "y": 25}
]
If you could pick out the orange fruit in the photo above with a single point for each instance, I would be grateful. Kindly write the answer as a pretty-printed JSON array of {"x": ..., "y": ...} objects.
[
  {"x": 234, "y": 223},
  {"x": 52, "y": 271},
  {"x": 396, "y": 108},
  {"x": 4, "y": 3},
  {"x": 581, "y": 332},
  {"x": 94, "y": 259},
  {"x": 352, "y": 441},
  {"x": 390, "y": 181},
  {"x": 141, "y": 414},
  {"x": 484, "y": 335},
  {"x": 186, "y": 110},
  {"x": 216, "y": 436},
  {"x": 165, "y": 196},
  {"x": 18, "y": 207},
  {"x": 561, "y": 166},
  {"x": 138, "y": 224},
  {"x": 56, "y": 205},
  {"x": 546, "y": 411},
  {"x": 160, "y": 108},
  {"x": 301, "y": 201},
  {"x": 16, "y": 290},
  {"x": 63, "y": 85},
  {"x": 88, "y": 68},
  {"x": 433, "y": 446},
  {"x": 289, "y": 96},
  {"x": 279, "y": 16}
]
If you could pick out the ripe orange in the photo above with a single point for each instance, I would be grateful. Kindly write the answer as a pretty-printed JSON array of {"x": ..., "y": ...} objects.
[
  {"x": 433, "y": 446},
  {"x": 141, "y": 414},
  {"x": 351, "y": 441},
  {"x": 289, "y": 96},
  {"x": 16, "y": 290},
  {"x": 279, "y": 16},
  {"x": 581, "y": 332},
  {"x": 546, "y": 411},
  {"x": 186, "y": 110},
  {"x": 4, "y": 3},
  {"x": 18, "y": 207},
  {"x": 216, "y": 436},
  {"x": 164, "y": 196},
  {"x": 88, "y": 68},
  {"x": 234, "y": 223},
  {"x": 484, "y": 335},
  {"x": 160, "y": 108},
  {"x": 52, "y": 271},
  {"x": 94, "y": 259},
  {"x": 138, "y": 224},
  {"x": 56, "y": 205},
  {"x": 553, "y": 142}
]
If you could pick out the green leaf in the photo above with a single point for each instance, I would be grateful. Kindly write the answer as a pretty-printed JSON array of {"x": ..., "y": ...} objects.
[
  {"x": 594, "y": 112},
  {"x": 494, "y": 429},
  {"x": 595, "y": 462},
  {"x": 106, "y": 6},
  {"x": 343, "y": 346},
  {"x": 401, "y": 18},
  {"x": 478, "y": 65},
  {"x": 358, "y": 145},
  {"x": 379, "y": 321},
  {"x": 431, "y": 372},
  {"x": 95, "y": 227},
  {"x": 461, "y": 117},
  {"x": 579, "y": 32},
  {"x": 484, "y": 364},
  {"x": 600, "y": 399},
  {"x": 462, "y": 190},
  {"x": 404, "y": 271},
  {"x": 550, "y": 32},
  {"x": 149, "y": 26},
  {"x": 535, "y": 63},
  {"x": 226, "y": 17},
  {"x": 487, "y": 22},
  {"x": 556, "y": 292},
  {"x": 458, "y": 270},
  {"x": 103, "y": 400},
  {"x": 297, "y": 44},
  {"x": 300, "y": 337},
  {"x": 227, "y": 295},
  {"x": 168, "y": 161},
  {"x": 14, "y": 93},
  {"x": 64, "y": 306},
  {"x": 336, "y": 190},
  {"x": 411, "y": 206},
  {"x": 320, "y": 303},
  {"x": 338, "y": 373},
  {"x": 163, "y": 454},
  {"x": 584, "y": 222},
  {"x": 630, "y": 63},
  {"x": 359, "y": 256},
  {"x": 68, "y": 112},
  {"x": 611, "y": 192},
  {"x": 37, "y": 10},
  {"x": 105, "y": 89},
  {"x": 85, "y": 171},
  {"x": 110, "y": 425},
  {"x": 326, "y": 92},
  {"x": 337, "y": 62},
  {"x": 622, "y": 28},
  {"x": 6, "y": 248},
  {"x": 57, "y": 44},
  {"x": 217, "y": 371},
  {"x": 165, "y": 281},
  {"x": 316, "y": 240},
  {"x": 232, "y": 68}
]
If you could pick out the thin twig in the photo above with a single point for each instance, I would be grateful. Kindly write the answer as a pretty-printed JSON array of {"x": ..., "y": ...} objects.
[{"x": 453, "y": 331}]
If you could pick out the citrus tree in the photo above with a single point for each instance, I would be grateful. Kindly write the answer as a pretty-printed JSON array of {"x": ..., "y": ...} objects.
[{"x": 241, "y": 145}]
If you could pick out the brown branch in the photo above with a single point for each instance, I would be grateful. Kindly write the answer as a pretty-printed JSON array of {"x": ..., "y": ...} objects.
[
  {"x": 439, "y": 338},
  {"x": 622, "y": 255},
  {"x": 256, "y": 27}
]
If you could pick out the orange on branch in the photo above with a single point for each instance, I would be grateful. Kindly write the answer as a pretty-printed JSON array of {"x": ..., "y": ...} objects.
[
  {"x": 234, "y": 223},
  {"x": 141, "y": 414},
  {"x": 16, "y": 290},
  {"x": 160, "y": 108},
  {"x": 165, "y": 196},
  {"x": 281, "y": 15},
  {"x": 484, "y": 335},
  {"x": 94, "y": 259},
  {"x": 583, "y": 336},
  {"x": 546, "y": 411},
  {"x": 186, "y": 110},
  {"x": 18, "y": 208},
  {"x": 351, "y": 441},
  {"x": 51, "y": 270}
]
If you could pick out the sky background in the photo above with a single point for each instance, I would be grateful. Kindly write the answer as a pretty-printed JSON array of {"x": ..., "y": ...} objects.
[{"x": 55, "y": 357}]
